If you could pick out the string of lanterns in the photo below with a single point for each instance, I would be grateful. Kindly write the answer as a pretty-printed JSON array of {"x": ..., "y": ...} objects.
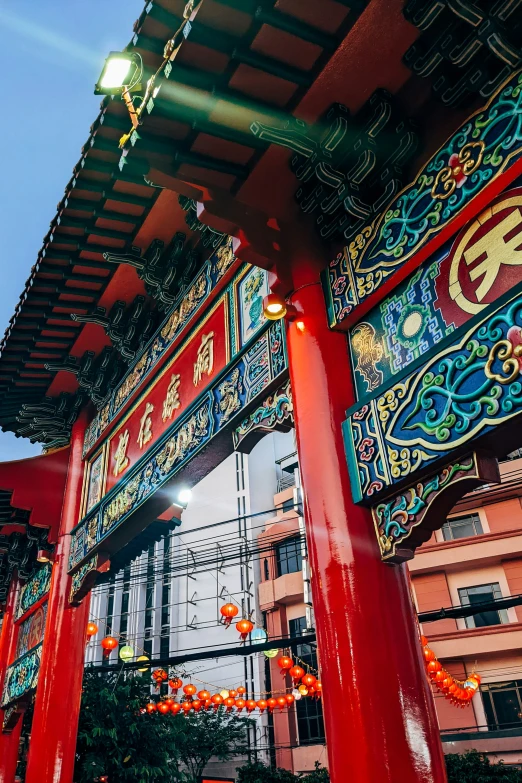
[
  {"x": 304, "y": 684},
  {"x": 458, "y": 692}
]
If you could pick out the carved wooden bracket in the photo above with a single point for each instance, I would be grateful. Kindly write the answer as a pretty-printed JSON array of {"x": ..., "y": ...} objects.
[{"x": 407, "y": 520}]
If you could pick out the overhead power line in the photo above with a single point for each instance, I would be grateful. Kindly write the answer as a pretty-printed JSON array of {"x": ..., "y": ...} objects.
[{"x": 222, "y": 652}]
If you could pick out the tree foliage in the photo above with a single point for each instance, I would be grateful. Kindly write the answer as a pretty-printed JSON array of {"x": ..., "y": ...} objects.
[
  {"x": 117, "y": 740},
  {"x": 114, "y": 738},
  {"x": 475, "y": 767},
  {"x": 207, "y": 735}
]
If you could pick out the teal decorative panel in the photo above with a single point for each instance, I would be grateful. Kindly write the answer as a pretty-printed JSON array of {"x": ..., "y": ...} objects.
[
  {"x": 34, "y": 590},
  {"x": 466, "y": 390},
  {"x": 484, "y": 146},
  {"x": 22, "y": 676}
]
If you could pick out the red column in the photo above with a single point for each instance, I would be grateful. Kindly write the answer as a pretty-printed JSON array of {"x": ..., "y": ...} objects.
[
  {"x": 9, "y": 743},
  {"x": 379, "y": 713},
  {"x": 58, "y": 695}
]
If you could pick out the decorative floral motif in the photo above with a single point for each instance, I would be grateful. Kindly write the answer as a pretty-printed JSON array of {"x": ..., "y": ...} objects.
[
  {"x": 485, "y": 146},
  {"x": 467, "y": 389},
  {"x": 461, "y": 166},
  {"x": 34, "y": 590},
  {"x": 405, "y": 521}
]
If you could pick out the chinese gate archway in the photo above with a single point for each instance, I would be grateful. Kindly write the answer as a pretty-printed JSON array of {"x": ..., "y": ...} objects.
[{"x": 154, "y": 359}]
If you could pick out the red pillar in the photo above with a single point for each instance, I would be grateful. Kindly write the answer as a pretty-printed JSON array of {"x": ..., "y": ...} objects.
[
  {"x": 57, "y": 705},
  {"x": 9, "y": 743},
  {"x": 379, "y": 713}
]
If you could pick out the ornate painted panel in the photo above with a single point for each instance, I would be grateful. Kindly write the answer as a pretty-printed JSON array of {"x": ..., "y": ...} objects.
[
  {"x": 190, "y": 303},
  {"x": 214, "y": 410},
  {"x": 485, "y": 146},
  {"x": 31, "y": 631},
  {"x": 34, "y": 590},
  {"x": 466, "y": 390},
  {"x": 482, "y": 263},
  {"x": 22, "y": 676}
]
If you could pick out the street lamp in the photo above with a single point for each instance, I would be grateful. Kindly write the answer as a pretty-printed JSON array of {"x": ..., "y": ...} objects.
[
  {"x": 121, "y": 75},
  {"x": 122, "y": 71}
]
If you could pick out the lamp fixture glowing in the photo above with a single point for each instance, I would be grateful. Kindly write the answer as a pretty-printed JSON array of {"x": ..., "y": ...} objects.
[
  {"x": 145, "y": 659},
  {"x": 274, "y": 307},
  {"x": 43, "y": 556},
  {"x": 122, "y": 71},
  {"x": 184, "y": 496}
]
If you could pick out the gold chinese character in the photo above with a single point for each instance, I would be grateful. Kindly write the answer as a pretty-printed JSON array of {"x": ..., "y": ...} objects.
[
  {"x": 120, "y": 457},
  {"x": 205, "y": 360},
  {"x": 145, "y": 433},
  {"x": 492, "y": 250},
  {"x": 172, "y": 401}
]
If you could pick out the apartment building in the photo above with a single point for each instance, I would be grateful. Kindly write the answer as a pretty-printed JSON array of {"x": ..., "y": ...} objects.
[{"x": 477, "y": 557}]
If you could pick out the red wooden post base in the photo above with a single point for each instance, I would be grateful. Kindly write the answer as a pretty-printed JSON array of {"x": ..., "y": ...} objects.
[
  {"x": 57, "y": 705},
  {"x": 379, "y": 713}
]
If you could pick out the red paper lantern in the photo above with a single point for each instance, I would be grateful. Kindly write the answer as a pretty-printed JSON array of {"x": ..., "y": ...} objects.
[
  {"x": 285, "y": 664},
  {"x": 281, "y": 702},
  {"x": 251, "y": 705},
  {"x": 232, "y": 693},
  {"x": 109, "y": 644},
  {"x": 434, "y": 667},
  {"x": 92, "y": 630},
  {"x": 424, "y": 641},
  {"x": 309, "y": 680},
  {"x": 241, "y": 690},
  {"x": 151, "y": 707},
  {"x": 216, "y": 700},
  {"x": 175, "y": 708},
  {"x": 186, "y": 707},
  {"x": 272, "y": 704},
  {"x": 262, "y": 704},
  {"x": 229, "y": 703},
  {"x": 240, "y": 704},
  {"x": 296, "y": 672},
  {"x": 203, "y": 695},
  {"x": 207, "y": 704},
  {"x": 289, "y": 699},
  {"x": 175, "y": 684},
  {"x": 244, "y": 627},
  {"x": 189, "y": 689},
  {"x": 228, "y": 612},
  {"x": 429, "y": 655},
  {"x": 440, "y": 676},
  {"x": 163, "y": 707},
  {"x": 196, "y": 704}
]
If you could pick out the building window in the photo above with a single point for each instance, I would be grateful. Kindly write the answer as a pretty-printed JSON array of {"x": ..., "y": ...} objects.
[
  {"x": 309, "y": 713},
  {"x": 471, "y": 596},
  {"x": 297, "y": 627},
  {"x": 462, "y": 527},
  {"x": 503, "y": 703},
  {"x": 288, "y": 556}
]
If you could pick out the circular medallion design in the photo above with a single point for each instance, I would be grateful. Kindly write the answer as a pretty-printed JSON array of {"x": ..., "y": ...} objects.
[{"x": 411, "y": 325}]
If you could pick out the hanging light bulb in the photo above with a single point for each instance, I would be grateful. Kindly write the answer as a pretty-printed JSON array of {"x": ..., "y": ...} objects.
[{"x": 143, "y": 658}]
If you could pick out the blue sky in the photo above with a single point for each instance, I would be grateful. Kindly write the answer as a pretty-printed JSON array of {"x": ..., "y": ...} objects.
[{"x": 51, "y": 55}]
